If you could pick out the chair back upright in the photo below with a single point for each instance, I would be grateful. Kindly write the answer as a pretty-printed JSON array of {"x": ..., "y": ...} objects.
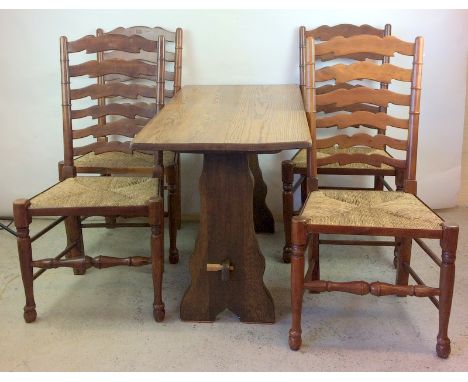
[
  {"x": 366, "y": 73},
  {"x": 128, "y": 116}
]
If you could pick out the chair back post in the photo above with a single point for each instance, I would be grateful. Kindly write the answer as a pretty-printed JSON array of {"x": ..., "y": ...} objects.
[
  {"x": 101, "y": 81},
  {"x": 160, "y": 75},
  {"x": 302, "y": 48},
  {"x": 178, "y": 61},
  {"x": 309, "y": 97},
  {"x": 160, "y": 87},
  {"x": 411, "y": 153},
  {"x": 68, "y": 167}
]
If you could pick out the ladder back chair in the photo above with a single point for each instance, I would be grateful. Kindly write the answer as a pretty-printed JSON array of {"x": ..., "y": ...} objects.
[
  {"x": 370, "y": 212},
  {"x": 135, "y": 162},
  {"x": 74, "y": 198},
  {"x": 331, "y": 101}
]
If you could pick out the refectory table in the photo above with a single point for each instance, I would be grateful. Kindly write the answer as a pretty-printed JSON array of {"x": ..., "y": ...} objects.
[{"x": 226, "y": 124}]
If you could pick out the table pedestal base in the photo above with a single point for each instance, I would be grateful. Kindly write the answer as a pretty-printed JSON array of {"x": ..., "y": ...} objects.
[
  {"x": 263, "y": 218},
  {"x": 227, "y": 236}
]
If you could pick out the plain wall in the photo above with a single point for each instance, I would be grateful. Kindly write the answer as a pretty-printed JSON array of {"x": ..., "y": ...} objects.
[{"x": 220, "y": 47}]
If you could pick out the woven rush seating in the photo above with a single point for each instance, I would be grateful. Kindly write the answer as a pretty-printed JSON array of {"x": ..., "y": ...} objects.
[
  {"x": 300, "y": 159},
  {"x": 119, "y": 160},
  {"x": 362, "y": 208},
  {"x": 97, "y": 191}
]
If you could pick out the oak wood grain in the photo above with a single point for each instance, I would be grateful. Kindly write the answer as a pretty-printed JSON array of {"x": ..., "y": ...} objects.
[{"x": 254, "y": 118}]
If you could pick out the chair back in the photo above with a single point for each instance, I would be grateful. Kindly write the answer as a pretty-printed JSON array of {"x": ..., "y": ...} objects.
[
  {"x": 325, "y": 33},
  {"x": 128, "y": 115},
  {"x": 172, "y": 54},
  {"x": 367, "y": 74}
]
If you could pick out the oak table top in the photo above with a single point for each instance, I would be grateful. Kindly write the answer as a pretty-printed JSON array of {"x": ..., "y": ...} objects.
[{"x": 248, "y": 118}]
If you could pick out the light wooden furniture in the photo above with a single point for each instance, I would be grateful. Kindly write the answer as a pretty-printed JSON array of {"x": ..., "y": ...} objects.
[
  {"x": 139, "y": 163},
  {"x": 364, "y": 212},
  {"x": 76, "y": 197},
  {"x": 331, "y": 101},
  {"x": 226, "y": 124}
]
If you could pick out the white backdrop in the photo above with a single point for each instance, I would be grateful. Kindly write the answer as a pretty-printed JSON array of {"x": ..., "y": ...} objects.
[{"x": 220, "y": 47}]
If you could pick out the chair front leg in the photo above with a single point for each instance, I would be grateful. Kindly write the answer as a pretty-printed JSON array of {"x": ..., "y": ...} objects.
[
  {"x": 156, "y": 218},
  {"x": 287, "y": 174},
  {"x": 22, "y": 222},
  {"x": 171, "y": 178},
  {"x": 299, "y": 239},
  {"x": 447, "y": 279},
  {"x": 178, "y": 193}
]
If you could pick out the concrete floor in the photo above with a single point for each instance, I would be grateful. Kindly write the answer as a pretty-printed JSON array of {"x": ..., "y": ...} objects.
[{"x": 103, "y": 321}]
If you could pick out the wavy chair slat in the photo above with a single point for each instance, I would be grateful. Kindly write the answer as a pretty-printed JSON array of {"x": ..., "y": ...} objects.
[
  {"x": 129, "y": 68},
  {"x": 103, "y": 147},
  {"x": 168, "y": 76},
  {"x": 363, "y": 71},
  {"x": 144, "y": 56},
  {"x": 326, "y": 32},
  {"x": 379, "y": 141},
  {"x": 116, "y": 89},
  {"x": 361, "y": 94},
  {"x": 94, "y": 44},
  {"x": 150, "y": 33},
  {"x": 379, "y": 121},
  {"x": 375, "y": 160},
  {"x": 123, "y": 109},
  {"x": 332, "y": 108},
  {"x": 384, "y": 46},
  {"x": 124, "y": 126}
]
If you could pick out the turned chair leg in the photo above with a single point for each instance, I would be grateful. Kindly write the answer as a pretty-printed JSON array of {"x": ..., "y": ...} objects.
[
  {"x": 75, "y": 234},
  {"x": 178, "y": 196},
  {"x": 22, "y": 222},
  {"x": 156, "y": 218},
  {"x": 299, "y": 239},
  {"x": 447, "y": 279},
  {"x": 287, "y": 174},
  {"x": 403, "y": 260},
  {"x": 171, "y": 178}
]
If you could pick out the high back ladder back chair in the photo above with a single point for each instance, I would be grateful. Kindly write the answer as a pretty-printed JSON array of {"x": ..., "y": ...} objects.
[
  {"x": 370, "y": 212},
  {"x": 331, "y": 103},
  {"x": 76, "y": 197},
  {"x": 135, "y": 162}
]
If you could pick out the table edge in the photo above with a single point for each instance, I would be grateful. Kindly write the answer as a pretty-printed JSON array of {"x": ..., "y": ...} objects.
[{"x": 223, "y": 147}]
